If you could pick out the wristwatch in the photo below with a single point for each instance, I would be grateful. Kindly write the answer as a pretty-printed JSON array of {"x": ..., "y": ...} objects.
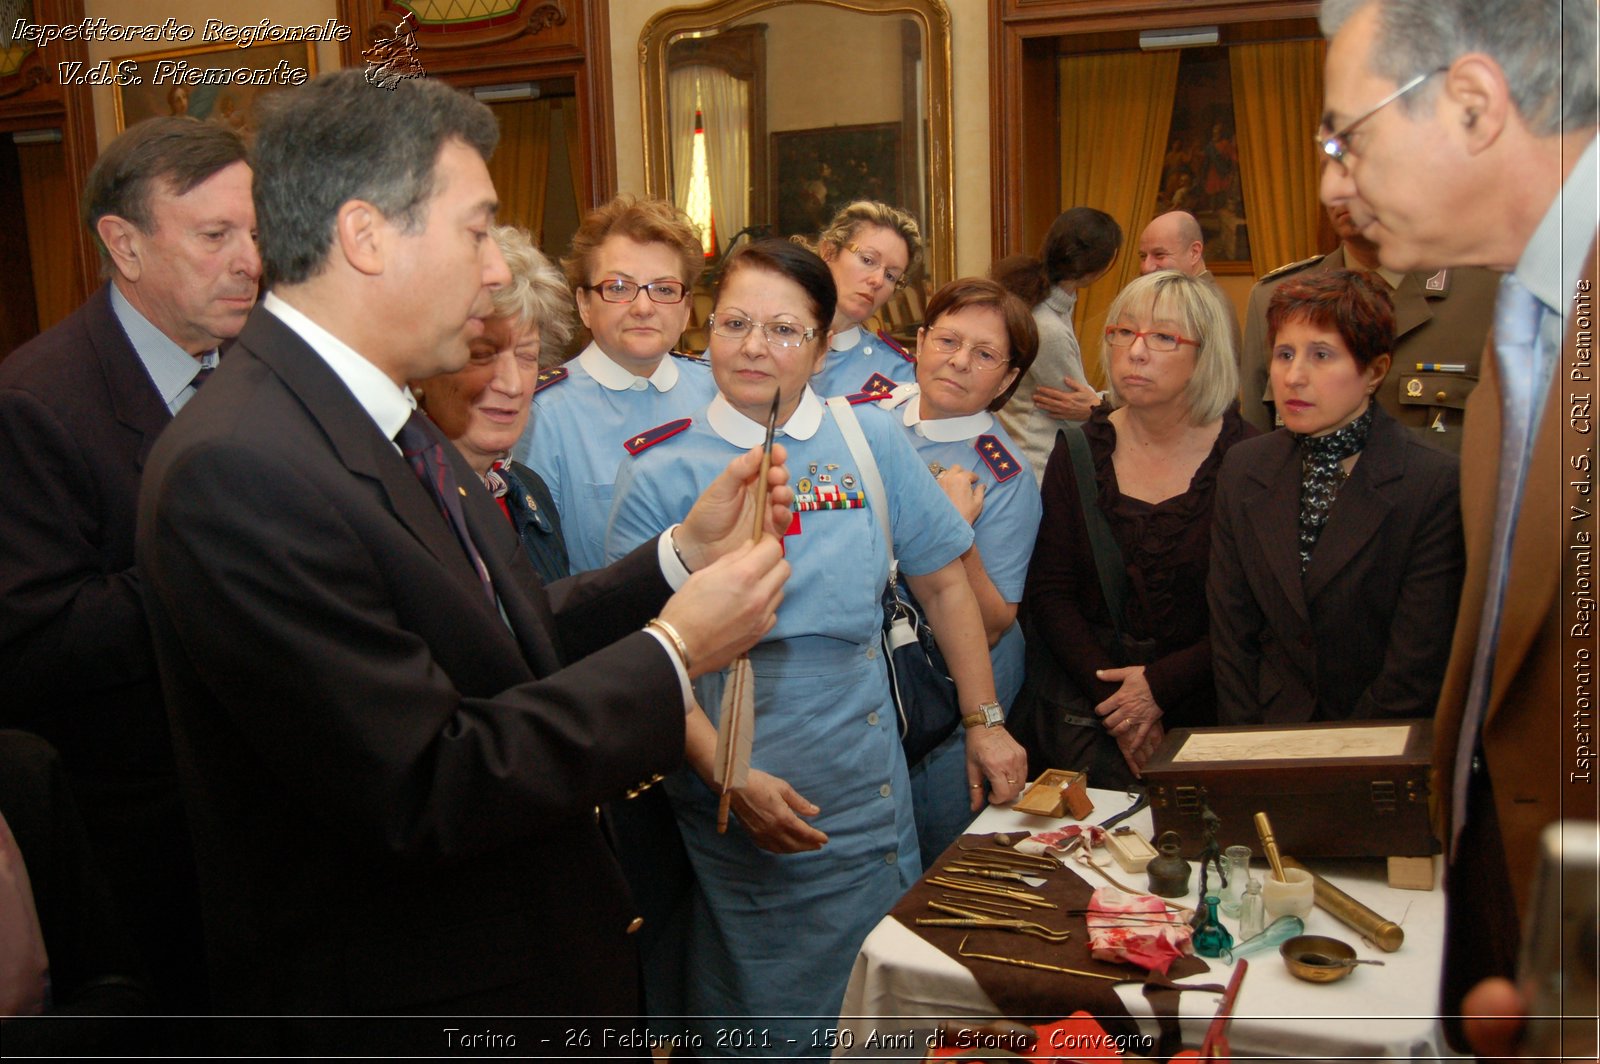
[{"x": 989, "y": 715}]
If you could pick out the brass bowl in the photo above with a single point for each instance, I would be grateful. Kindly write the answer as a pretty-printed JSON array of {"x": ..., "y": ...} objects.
[{"x": 1317, "y": 944}]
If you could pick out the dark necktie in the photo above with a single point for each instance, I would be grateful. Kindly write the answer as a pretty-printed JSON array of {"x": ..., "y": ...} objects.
[{"x": 425, "y": 451}]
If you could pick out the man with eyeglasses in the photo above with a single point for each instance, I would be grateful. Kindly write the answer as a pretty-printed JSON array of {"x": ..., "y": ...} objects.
[
  {"x": 632, "y": 265},
  {"x": 1441, "y": 317},
  {"x": 1462, "y": 132}
]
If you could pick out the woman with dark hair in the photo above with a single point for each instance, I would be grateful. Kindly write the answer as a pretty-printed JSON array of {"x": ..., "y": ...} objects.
[
  {"x": 1337, "y": 553},
  {"x": 978, "y": 343},
  {"x": 1077, "y": 251},
  {"x": 825, "y": 840}
]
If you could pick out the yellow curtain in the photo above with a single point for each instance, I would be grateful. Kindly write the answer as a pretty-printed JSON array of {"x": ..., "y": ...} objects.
[
  {"x": 1115, "y": 113},
  {"x": 580, "y": 194},
  {"x": 1277, "y": 100},
  {"x": 521, "y": 165}
]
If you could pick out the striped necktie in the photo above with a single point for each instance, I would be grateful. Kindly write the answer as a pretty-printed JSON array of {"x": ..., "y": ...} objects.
[{"x": 421, "y": 447}]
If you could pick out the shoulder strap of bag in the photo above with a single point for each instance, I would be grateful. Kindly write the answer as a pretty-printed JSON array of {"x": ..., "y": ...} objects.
[
  {"x": 845, "y": 416},
  {"x": 1107, "y": 555}
]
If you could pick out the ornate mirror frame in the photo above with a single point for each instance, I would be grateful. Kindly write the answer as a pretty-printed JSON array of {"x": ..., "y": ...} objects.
[{"x": 931, "y": 16}]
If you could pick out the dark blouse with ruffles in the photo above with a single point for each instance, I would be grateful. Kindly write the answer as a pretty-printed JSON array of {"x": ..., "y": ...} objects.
[{"x": 1166, "y": 548}]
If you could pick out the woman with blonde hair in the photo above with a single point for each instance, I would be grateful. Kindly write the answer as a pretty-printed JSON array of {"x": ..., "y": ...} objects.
[
  {"x": 870, "y": 248},
  {"x": 1119, "y": 649}
]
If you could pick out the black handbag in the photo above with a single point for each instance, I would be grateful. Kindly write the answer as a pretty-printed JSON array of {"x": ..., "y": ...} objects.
[{"x": 924, "y": 694}]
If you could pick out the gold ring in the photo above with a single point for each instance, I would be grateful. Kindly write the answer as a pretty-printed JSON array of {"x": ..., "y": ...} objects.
[{"x": 977, "y": 786}]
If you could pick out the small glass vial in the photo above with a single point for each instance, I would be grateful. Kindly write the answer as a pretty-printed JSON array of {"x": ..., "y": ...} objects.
[
  {"x": 1212, "y": 939},
  {"x": 1238, "y": 870},
  {"x": 1252, "y": 910}
]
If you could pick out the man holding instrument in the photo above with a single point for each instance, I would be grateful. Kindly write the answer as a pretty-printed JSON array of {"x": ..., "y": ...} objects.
[{"x": 392, "y": 737}]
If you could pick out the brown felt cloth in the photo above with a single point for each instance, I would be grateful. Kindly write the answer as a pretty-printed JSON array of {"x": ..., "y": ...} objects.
[{"x": 1031, "y": 995}]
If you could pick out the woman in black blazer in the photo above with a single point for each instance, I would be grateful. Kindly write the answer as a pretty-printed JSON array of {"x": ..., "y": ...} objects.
[{"x": 1336, "y": 555}]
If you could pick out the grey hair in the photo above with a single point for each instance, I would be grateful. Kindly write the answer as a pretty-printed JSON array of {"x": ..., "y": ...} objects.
[
  {"x": 1545, "y": 47},
  {"x": 538, "y": 292},
  {"x": 1170, "y": 295},
  {"x": 338, "y": 138}
]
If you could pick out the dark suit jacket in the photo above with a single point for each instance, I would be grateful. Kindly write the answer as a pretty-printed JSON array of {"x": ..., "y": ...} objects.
[
  {"x": 78, "y": 416},
  {"x": 1438, "y": 317},
  {"x": 1367, "y": 631},
  {"x": 393, "y": 786}
]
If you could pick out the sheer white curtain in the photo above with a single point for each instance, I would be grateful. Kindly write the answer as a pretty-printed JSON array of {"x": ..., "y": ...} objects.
[
  {"x": 725, "y": 106},
  {"x": 683, "y": 93}
]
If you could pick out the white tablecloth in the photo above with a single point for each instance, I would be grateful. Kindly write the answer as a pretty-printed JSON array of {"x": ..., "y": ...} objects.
[{"x": 1386, "y": 1013}]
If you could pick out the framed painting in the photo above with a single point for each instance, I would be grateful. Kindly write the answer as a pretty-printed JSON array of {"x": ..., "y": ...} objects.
[
  {"x": 215, "y": 84},
  {"x": 1200, "y": 171},
  {"x": 817, "y": 171}
]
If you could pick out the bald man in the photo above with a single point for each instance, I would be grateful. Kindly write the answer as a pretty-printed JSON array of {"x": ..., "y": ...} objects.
[{"x": 1174, "y": 241}]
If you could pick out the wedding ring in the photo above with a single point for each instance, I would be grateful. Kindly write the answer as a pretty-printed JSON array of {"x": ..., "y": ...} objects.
[{"x": 977, "y": 786}]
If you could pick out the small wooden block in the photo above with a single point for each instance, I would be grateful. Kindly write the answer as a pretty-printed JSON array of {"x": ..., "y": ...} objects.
[
  {"x": 1411, "y": 873},
  {"x": 1076, "y": 796},
  {"x": 1131, "y": 849}
]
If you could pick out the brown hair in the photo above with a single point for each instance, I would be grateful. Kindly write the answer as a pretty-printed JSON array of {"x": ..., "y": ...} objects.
[
  {"x": 644, "y": 221},
  {"x": 853, "y": 217},
  {"x": 1022, "y": 334},
  {"x": 1081, "y": 242},
  {"x": 1342, "y": 300}
]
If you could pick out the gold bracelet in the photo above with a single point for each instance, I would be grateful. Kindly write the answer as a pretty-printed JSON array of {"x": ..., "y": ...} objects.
[{"x": 672, "y": 635}]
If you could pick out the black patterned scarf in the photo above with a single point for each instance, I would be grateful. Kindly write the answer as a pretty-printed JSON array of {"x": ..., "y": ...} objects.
[{"x": 1321, "y": 476}]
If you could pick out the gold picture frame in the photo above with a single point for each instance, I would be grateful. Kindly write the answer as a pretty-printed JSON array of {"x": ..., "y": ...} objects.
[{"x": 163, "y": 88}]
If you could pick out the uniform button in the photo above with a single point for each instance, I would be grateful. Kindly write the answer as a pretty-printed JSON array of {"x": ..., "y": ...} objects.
[
  {"x": 867, "y": 350},
  {"x": 1442, "y": 396},
  {"x": 872, "y": 719},
  {"x": 597, "y": 814},
  {"x": 872, "y": 652},
  {"x": 890, "y": 858},
  {"x": 634, "y": 924},
  {"x": 885, "y": 790}
]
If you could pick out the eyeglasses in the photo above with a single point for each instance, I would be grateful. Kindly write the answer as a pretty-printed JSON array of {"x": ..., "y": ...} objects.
[
  {"x": 872, "y": 263},
  {"x": 617, "y": 290},
  {"x": 948, "y": 343},
  {"x": 1336, "y": 146},
  {"x": 1154, "y": 340},
  {"x": 778, "y": 333}
]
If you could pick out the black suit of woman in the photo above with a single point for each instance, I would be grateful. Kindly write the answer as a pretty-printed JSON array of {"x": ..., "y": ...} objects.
[{"x": 1365, "y": 632}]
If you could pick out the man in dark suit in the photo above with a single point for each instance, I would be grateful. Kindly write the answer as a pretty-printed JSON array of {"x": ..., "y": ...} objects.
[
  {"x": 1462, "y": 132},
  {"x": 80, "y": 407},
  {"x": 1441, "y": 317},
  {"x": 392, "y": 738}
]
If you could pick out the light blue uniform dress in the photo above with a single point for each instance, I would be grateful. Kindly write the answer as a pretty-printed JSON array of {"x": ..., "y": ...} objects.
[
  {"x": 1005, "y": 533},
  {"x": 775, "y": 935},
  {"x": 860, "y": 361},
  {"x": 583, "y": 414}
]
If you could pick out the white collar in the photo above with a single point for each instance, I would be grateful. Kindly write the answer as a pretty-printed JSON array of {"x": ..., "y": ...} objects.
[
  {"x": 845, "y": 339},
  {"x": 940, "y": 429},
  {"x": 740, "y": 431},
  {"x": 385, "y": 402},
  {"x": 613, "y": 377}
]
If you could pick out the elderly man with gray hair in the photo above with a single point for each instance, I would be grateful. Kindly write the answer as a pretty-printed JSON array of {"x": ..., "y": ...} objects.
[{"x": 1462, "y": 132}]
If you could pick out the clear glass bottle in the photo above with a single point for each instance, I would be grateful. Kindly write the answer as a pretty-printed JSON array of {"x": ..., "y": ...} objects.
[
  {"x": 1277, "y": 933},
  {"x": 1252, "y": 910},
  {"x": 1237, "y": 871}
]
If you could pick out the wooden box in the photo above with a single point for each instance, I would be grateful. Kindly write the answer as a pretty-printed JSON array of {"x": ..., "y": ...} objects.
[
  {"x": 1056, "y": 793},
  {"x": 1346, "y": 789}
]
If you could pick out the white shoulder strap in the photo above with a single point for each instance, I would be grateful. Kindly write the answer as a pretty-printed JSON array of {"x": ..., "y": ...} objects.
[{"x": 871, "y": 482}]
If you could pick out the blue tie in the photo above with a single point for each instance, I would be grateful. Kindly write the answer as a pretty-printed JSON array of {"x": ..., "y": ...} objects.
[{"x": 1517, "y": 315}]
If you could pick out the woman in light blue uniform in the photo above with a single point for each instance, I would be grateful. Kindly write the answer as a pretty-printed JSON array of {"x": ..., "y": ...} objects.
[
  {"x": 824, "y": 840},
  {"x": 977, "y": 345},
  {"x": 869, "y": 247},
  {"x": 632, "y": 266}
]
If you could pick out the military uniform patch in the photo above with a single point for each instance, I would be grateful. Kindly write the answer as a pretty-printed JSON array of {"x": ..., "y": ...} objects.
[
  {"x": 894, "y": 345},
  {"x": 880, "y": 385},
  {"x": 637, "y": 445},
  {"x": 1293, "y": 267},
  {"x": 548, "y": 377},
  {"x": 997, "y": 458}
]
